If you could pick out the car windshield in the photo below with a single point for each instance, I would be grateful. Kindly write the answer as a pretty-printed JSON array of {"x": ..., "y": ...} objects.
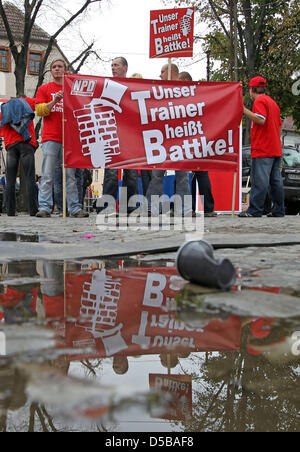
[{"x": 291, "y": 156}]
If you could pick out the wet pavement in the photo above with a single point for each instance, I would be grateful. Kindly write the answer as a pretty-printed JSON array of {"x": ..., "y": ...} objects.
[{"x": 126, "y": 345}]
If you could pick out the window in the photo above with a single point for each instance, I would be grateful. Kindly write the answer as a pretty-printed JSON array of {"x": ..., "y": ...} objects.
[
  {"x": 34, "y": 61},
  {"x": 4, "y": 59},
  {"x": 96, "y": 176}
]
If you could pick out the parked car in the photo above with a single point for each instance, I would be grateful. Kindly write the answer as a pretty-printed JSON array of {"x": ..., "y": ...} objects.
[{"x": 290, "y": 174}]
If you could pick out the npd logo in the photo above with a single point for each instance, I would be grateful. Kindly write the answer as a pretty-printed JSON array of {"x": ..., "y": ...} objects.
[{"x": 83, "y": 87}]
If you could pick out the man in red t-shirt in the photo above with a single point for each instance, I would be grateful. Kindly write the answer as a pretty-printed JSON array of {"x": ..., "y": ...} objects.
[
  {"x": 18, "y": 151},
  {"x": 266, "y": 152},
  {"x": 49, "y": 105}
]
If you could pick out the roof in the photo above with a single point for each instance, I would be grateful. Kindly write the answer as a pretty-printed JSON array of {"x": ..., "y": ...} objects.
[{"x": 16, "y": 20}]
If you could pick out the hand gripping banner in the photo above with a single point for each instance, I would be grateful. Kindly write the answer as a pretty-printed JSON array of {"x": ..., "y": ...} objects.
[{"x": 151, "y": 124}]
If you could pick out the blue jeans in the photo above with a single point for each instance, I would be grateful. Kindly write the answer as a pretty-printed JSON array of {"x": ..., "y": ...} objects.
[
  {"x": 266, "y": 176},
  {"x": 182, "y": 190},
  {"x": 58, "y": 190},
  {"x": 52, "y": 159},
  {"x": 54, "y": 272}
]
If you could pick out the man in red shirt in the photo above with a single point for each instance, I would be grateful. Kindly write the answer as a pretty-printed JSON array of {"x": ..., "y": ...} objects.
[
  {"x": 19, "y": 150},
  {"x": 49, "y": 105},
  {"x": 266, "y": 152}
]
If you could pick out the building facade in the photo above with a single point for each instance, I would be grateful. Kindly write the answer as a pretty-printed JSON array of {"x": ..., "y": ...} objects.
[{"x": 38, "y": 45}]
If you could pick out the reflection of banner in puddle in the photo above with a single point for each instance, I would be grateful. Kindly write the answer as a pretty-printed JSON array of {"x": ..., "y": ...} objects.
[
  {"x": 130, "y": 312},
  {"x": 99, "y": 311},
  {"x": 179, "y": 387},
  {"x": 141, "y": 304}
]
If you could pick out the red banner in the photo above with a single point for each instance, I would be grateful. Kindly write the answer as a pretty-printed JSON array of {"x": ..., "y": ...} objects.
[
  {"x": 171, "y": 33},
  {"x": 150, "y": 124}
]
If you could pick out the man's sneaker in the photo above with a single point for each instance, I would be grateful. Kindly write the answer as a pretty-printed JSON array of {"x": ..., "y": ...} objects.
[
  {"x": 210, "y": 214},
  {"x": 80, "y": 214},
  {"x": 43, "y": 214},
  {"x": 246, "y": 214},
  {"x": 274, "y": 215}
]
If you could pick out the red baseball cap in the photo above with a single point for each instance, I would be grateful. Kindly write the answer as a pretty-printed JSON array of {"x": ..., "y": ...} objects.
[{"x": 257, "y": 81}]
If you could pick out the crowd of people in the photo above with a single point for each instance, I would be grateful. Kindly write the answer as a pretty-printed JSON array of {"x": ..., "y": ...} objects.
[{"x": 17, "y": 130}]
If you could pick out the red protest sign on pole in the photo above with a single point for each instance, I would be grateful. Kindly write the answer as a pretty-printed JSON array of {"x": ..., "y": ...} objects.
[{"x": 171, "y": 33}]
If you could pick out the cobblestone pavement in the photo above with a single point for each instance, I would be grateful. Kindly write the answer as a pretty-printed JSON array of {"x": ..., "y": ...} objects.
[{"x": 222, "y": 227}]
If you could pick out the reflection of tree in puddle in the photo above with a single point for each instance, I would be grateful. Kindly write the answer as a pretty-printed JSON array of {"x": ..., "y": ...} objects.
[
  {"x": 243, "y": 372},
  {"x": 247, "y": 391}
]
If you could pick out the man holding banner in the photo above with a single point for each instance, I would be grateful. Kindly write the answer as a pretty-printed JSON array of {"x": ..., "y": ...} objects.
[
  {"x": 49, "y": 105},
  {"x": 182, "y": 177},
  {"x": 119, "y": 68},
  {"x": 266, "y": 152}
]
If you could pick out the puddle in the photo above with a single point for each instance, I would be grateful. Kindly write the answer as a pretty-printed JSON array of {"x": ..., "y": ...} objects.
[
  {"x": 29, "y": 238},
  {"x": 128, "y": 346},
  {"x": 13, "y": 237}
]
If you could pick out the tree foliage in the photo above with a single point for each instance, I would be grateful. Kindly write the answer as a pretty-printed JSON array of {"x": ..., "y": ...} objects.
[
  {"x": 268, "y": 43},
  {"x": 31, "y": 10}
]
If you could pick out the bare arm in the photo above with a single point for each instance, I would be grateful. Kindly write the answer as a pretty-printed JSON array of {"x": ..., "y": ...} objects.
[
  {"x": 57, "y": 98},
  {"x": 254, "y": 117},
  {"x": 45, "y": 109}
]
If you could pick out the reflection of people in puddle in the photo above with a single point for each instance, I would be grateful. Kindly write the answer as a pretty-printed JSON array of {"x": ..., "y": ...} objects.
[
  {"x": 264, "y": 337},
  {"x": 269, "y": 339},
  {"x": 18, "y": 301},
  {"x": 120, "y": 364},
  {"x": 171, "y": 360},
  {"x": 53, "y": 289},
  {"x": 13, "y": 384},
  {"x": 12, "y": 394}
]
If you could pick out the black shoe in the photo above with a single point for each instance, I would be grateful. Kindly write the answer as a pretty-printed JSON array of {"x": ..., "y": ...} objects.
[
  {"x": 273, "y": 215},
  {"x": 210, "y": 214},
  {"x": 247, "y": 215}
]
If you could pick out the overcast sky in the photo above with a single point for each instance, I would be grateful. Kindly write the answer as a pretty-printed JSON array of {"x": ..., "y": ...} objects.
[{"x": 122, "y": 27}]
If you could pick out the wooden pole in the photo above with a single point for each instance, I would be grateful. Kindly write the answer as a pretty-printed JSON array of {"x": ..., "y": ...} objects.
[
  {"x": 169, "y": 68},
  {"x": 234, "y": 192},
  {"x": 65, "y": 290},
  {"x": 169, "y": 363},
  {"x": 64, "y": 188},
  {"x": 64, "y": 176}
]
